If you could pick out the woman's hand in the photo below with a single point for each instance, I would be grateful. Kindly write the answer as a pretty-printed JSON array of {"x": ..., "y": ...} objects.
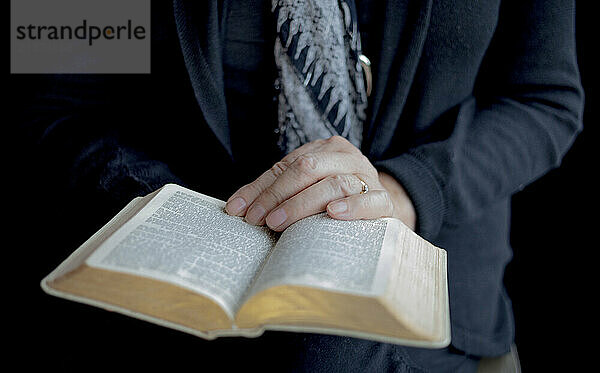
[{"x": 323, "y": 175}]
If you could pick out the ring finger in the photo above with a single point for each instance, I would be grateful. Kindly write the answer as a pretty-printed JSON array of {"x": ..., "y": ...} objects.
[{"x": 313, "y": 200}]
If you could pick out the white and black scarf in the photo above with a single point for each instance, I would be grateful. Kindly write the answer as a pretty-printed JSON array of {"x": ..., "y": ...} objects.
[{"x": 320, "y": 79}]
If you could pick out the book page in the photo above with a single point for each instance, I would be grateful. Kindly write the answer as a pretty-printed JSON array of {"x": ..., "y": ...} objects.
[
  {"x": 186, "y": 238},
  {"x": 322, "y": 252}
]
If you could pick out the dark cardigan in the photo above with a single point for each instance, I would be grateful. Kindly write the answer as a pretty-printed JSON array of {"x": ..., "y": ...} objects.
[{"x": 472, "y": 101}]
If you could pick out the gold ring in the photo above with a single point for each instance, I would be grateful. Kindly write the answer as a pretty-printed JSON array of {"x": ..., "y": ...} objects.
[{"x": 365, "y": 187}]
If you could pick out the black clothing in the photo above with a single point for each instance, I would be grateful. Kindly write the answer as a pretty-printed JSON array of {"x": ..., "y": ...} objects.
[{"x": 472, "y": 101}]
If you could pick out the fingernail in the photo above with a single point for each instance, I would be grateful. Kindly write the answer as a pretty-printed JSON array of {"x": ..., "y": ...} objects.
[
  {"x": 255, "y": 214},
  {"x": 235, "y": 206},
  {"x": 276, "y": 218},
  {"x": 338, "y": 207}
]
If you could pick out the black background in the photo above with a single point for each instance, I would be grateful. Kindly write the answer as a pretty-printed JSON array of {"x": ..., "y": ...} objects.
[{"x": 552, "y": 278}]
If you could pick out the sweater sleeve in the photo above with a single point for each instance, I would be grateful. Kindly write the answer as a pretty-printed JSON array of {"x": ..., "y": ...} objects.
[
  {"x": 83, "y": 135},
  {"x": 521, "y": 119}
]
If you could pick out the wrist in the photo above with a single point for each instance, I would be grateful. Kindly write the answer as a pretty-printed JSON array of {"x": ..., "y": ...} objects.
[{"x": 403, "y": 206}]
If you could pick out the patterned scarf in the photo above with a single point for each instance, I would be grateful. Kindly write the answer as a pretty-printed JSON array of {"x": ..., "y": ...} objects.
[{"x": 320, "y": 79}]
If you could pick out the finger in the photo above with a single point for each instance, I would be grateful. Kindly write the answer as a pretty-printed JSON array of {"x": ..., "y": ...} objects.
[
  {"x": 372, "y": 205},
  {"x": 239, "y": 201},
  {"x": 313, "y": 200},
  {"x": 306, "y": 170}
]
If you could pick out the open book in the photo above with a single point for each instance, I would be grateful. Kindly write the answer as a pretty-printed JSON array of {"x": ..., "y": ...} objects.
[{"x": 175, "y": 258}]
